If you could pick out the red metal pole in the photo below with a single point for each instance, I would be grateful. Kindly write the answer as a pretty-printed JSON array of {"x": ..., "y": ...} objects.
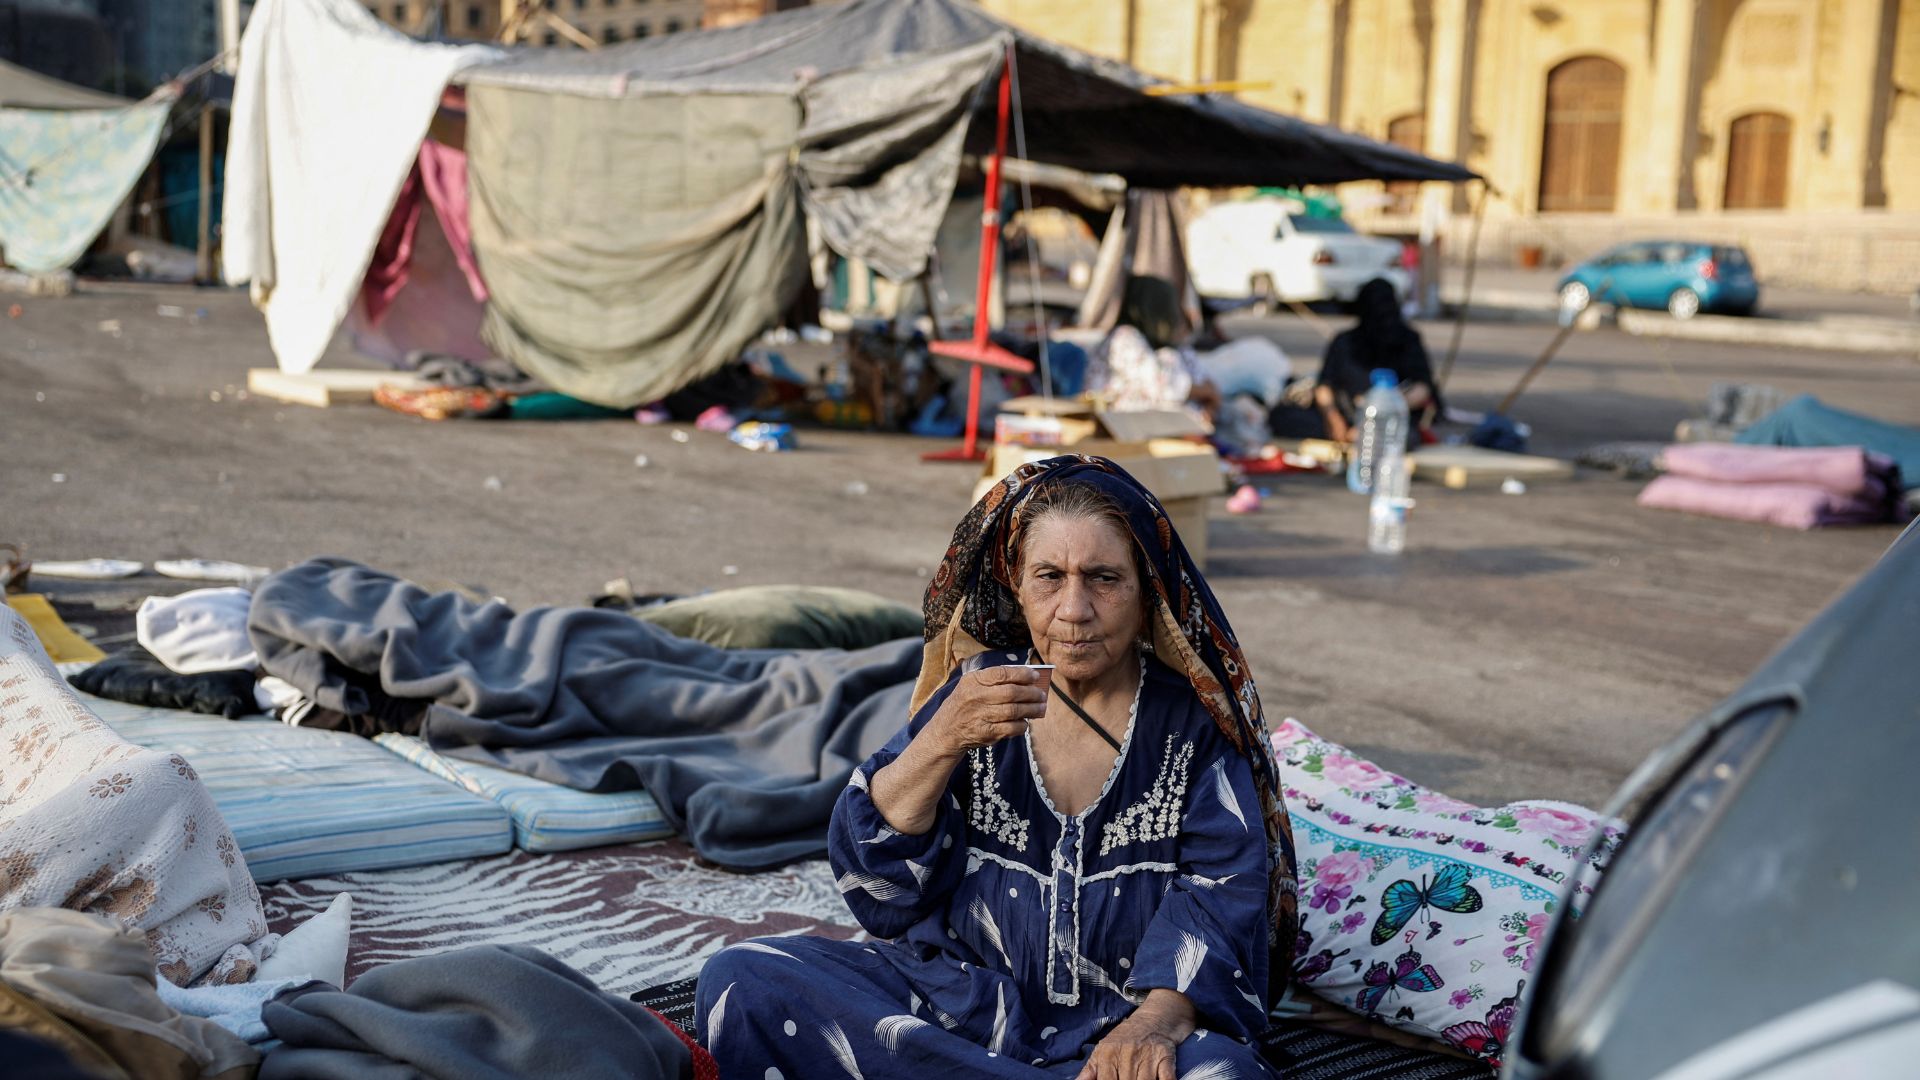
[
  {"x": 989, "y": 250},
  {"x": 981, "y": 351},
  {"x": 990, "y": 217},
  {"x": 970, "y": 448}
]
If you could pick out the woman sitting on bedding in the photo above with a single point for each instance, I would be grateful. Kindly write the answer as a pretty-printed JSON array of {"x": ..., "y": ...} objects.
[{"x": 1088, "y": 879}]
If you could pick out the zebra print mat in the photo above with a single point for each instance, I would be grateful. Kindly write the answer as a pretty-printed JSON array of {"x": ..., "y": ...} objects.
[{"x": 628, "y": 917}]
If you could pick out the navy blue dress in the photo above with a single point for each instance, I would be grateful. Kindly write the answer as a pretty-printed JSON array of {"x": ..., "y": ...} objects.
[{"x": 1016, "y": 935}]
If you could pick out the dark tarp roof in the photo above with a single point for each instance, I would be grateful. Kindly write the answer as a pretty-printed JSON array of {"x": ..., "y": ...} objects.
[{"x": 1080, "y": 111}]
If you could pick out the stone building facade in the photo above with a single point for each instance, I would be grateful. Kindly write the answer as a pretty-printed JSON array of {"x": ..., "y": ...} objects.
[{"x": 1792, "y": 126}]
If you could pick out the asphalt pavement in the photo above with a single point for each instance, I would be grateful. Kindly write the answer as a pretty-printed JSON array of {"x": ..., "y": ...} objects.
[{"x": 1531, "y": 646}]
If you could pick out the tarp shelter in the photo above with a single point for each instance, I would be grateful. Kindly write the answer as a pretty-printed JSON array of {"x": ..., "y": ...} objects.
[
  {"x": 68, "y": 158},
  {"x": 640, "y": 212}
]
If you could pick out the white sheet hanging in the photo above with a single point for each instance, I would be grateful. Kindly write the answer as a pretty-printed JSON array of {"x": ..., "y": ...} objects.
[{"x": 329, "y": 109}]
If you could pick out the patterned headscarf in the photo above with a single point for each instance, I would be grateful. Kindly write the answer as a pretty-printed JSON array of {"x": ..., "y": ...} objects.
[{"x": 970, "y": 608}]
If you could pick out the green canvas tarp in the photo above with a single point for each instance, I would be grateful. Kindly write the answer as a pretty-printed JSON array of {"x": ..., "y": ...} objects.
[
  {"x": 630, "y": 245},
  {"x": 679, "y": 236}
]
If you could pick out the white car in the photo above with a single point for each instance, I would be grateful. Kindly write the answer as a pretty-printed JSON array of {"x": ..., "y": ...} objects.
[{"x": 1270, "y": 249}]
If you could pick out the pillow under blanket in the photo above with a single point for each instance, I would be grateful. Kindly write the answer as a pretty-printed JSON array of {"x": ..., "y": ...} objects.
[
  {"x": 786, "y": 617},
  {"x": 137, "y": 678},
  {"x": 1417, "y": 909}
]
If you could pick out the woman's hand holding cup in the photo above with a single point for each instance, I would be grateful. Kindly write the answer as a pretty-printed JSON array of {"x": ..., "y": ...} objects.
[{"x": 992, "y": 704}]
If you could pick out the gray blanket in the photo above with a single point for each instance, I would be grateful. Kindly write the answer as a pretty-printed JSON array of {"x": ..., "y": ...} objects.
[
  {"x": 745, "y": 750},
  {"x": 492, "y": 1012}
]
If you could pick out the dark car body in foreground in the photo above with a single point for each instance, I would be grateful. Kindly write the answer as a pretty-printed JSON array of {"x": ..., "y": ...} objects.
[{"x": 1760, "y": 918}]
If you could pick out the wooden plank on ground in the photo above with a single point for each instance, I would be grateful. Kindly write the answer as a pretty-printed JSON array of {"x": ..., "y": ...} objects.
[
  {"x": 1472, "y": 466},
  {"x": 325, "y": 387}
]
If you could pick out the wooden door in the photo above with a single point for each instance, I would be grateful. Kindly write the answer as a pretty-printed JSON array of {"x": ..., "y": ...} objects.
[
  {"x": 1759, "y": 148},
  {"x": 1580, "y": 154}
]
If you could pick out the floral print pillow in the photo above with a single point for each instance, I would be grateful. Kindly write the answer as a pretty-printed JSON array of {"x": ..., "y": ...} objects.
[{"x": 1420, "y": 910}]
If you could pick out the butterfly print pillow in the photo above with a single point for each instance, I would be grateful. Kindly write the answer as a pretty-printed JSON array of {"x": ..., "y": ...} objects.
[{"x": 1419, "y": 910}]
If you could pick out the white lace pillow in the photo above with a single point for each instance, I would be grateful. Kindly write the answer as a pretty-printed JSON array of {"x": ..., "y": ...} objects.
[{"x": 1417, "y": 909}]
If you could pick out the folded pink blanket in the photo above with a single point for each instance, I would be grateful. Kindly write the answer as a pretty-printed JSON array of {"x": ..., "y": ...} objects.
[
  {"x": 1792, "y": 506},
  {"x": 1843, "y": 470}
]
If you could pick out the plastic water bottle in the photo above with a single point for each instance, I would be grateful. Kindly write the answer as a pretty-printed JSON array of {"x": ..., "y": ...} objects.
[
  {"x": 1383, "y": 425},
  {"x": 1387, "y": 516}
]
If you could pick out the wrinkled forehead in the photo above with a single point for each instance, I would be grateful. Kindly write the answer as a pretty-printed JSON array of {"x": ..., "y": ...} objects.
[{"x": 1074, "y": 540}]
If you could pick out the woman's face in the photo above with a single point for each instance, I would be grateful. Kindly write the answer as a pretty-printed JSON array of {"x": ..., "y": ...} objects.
[{"x": 1080, "y": 594}]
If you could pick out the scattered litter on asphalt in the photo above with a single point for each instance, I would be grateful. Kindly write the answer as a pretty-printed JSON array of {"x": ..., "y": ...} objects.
[
  {"x": 493, "y": 484},
  {"x": 681, "y": 436},
  {"x": 1512, "y": 486},
  {"x": 763, "y": 437},
  {"x": 639, "y": 461},
  {"x": 730, "y": 571},
  {"x": 59, "y": 478},
  {"x": 858, "y": 487}
]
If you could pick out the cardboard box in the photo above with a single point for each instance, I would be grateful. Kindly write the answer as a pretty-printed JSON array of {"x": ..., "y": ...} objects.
[
  {"x": 1181, "y": 473},
  {"x": 1080, "y": 418}
]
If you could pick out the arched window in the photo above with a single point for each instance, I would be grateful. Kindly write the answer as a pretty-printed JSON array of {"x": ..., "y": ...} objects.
[
  {"x": 1759, "y": 148},
  {"x": 1409, "y": 133},
  {"x": 1580, "y": 155}
]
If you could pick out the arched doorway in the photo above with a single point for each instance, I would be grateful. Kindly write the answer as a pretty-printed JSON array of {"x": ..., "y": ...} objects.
[
  {"x": 1409, "y": 133},
  {"x": 1759, "y": 151},
  {"x": 1580, "y": 155}
]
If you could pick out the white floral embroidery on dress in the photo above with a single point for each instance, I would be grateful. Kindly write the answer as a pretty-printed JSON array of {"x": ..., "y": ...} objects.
[
  {"x": 990, "y": 813},
  {"x": 1157, "y": 815}
]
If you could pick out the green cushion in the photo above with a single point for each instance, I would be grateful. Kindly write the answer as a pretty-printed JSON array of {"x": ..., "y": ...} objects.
[{"x": 786, "y": 617}]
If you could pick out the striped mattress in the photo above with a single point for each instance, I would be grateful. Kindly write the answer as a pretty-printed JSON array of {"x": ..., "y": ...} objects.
[
  {"x": 303, "y": 802},
  {"x": 546, "y": 816}
]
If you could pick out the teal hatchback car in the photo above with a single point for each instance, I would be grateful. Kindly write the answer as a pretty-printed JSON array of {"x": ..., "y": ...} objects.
[{"x": 1684, "y": 277}]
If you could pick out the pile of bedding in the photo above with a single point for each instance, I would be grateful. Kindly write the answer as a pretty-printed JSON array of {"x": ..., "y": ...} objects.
[
  {"x": 743, "y": 751},
  {"x": 1796, "y": 488}
]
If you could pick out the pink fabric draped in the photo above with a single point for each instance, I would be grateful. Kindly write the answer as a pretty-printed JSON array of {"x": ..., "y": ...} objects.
[
  {"x": 443, "y": 171},
  {"x": 435, "y": 313},
  {"x": 441, "y": 175},
  {"x": 387, "y": 274}
]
